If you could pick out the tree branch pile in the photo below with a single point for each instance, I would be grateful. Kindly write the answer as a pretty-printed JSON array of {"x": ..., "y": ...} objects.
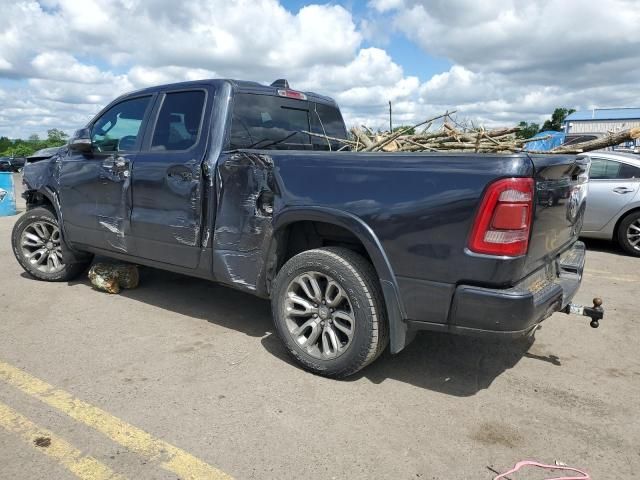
[{"x": 453, "y": 137}]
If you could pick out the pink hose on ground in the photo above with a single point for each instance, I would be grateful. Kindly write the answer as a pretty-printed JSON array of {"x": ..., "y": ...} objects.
[{"x": 519, "y": 465}]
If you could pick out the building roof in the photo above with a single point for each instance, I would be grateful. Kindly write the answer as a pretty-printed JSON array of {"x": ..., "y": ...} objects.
[{"x": 605, "y": 114}]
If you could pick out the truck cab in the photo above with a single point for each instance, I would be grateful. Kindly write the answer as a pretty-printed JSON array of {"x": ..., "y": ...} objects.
[{"x": 138, "y": 188}]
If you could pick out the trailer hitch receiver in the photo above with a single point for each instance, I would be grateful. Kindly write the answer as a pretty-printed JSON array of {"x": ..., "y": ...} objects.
[{"x": 596, "y": 313}]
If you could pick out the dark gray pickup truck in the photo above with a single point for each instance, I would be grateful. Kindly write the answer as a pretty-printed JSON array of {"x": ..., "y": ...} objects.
[{"x": 219, "y": 179}]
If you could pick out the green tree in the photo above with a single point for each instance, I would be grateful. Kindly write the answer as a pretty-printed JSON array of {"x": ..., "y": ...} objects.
[
  {"x": 21, "y": 149},
  {"x": 527, "y": 130},
  {"x": 56, "y": 137},
  {"x": 557, "y": 117},
  {"x": 5, "y": 143},
  {"x": 411, "y": 130}
]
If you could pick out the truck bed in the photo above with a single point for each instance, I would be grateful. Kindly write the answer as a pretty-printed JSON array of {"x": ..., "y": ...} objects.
[{"x": 421, "y": 207}]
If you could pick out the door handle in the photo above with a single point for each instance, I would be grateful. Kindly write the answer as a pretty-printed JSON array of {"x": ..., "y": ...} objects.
[
  {"x": 121, "y": 163},
  {"x": 115, "y": 163},
  {"x": 623, "y": 190}
]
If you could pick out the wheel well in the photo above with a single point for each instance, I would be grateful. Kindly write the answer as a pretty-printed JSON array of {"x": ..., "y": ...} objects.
[
  {"x": 301, "y": 236},
  {"x": 622, "y": 217},
  {"x": 37, "y": 199},
  {"x": 307, "y": 235}
]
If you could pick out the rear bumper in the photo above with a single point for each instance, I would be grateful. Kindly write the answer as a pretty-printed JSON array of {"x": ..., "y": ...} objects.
[{"x": 518, "y": 310}]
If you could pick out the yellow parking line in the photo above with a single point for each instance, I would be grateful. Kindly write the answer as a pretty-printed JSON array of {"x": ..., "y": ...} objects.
[
  {"x": 171, "y": 458},
  {"x": 67, "y": 455}
]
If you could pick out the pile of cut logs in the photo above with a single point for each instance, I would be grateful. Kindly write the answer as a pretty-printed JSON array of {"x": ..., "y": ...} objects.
[{"x": 452, "y": 137}]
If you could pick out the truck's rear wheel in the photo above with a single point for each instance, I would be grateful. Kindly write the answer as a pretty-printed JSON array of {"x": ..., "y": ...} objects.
[
  {"x": 37, "y": 245},
  {"x": 328, "y": 311},
  {"x": 629, "y": 233}
]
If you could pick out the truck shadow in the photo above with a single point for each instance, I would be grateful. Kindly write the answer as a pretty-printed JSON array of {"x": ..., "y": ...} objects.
[
  {"x": 449, "y": 364},
  {"x": 453, "y": 365},
  {"x": 604, "y": 246},
  {"x": 197, "y": 298}
]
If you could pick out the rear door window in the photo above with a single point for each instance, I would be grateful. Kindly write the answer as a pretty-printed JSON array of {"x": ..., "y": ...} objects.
[
  {"x": 179, "y": 121},
  {"x": 265, "y": 121},
  {"x": 628, "y": 171},
  {"x": 602, "y": 169}
]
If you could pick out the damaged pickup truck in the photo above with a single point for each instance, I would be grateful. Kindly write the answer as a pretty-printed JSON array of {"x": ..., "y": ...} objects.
[{"x": 221, "y": 180}]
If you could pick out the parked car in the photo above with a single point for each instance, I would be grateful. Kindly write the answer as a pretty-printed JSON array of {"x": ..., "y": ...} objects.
[
  {"x": 551, "y": 193},
  {"x": 217, "y": 179},
  {"x": 12, "y": 164},
  {"x": 613, "y": 210}
]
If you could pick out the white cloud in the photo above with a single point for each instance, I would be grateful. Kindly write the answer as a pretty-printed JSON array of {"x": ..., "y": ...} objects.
[
  {"x": 386, "y": 5},
  {"x": 141, "y": 76},
  {"x": 372, "y": 67},
  {"x": 511, "y": 60},
  {"x": 516, "y": 37},
  {"x": 64, "y": 67},
  {"x": 84, "y": 53},
  {"x": 517, "y": 61},
  {"x": 5, "y": 65},
  {"x": 24, "y": 112}
]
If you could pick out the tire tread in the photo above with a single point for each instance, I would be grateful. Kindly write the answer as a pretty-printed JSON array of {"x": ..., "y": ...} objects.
[
  {"x": 70, "y": 271},
  {"x": 367, "y": 279}
]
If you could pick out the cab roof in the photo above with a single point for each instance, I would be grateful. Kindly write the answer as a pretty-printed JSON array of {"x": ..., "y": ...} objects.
[{"x": 239, "y": 86}]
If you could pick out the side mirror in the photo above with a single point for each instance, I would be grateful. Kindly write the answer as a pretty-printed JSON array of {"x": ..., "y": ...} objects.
[{"x": 81, "y": 141}]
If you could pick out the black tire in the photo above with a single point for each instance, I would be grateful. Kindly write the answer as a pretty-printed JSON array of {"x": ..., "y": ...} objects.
[
  {"x": 30, "y": 217},
  {"x": 550, "y": 201},
  {"x": 628, "y": 223},
  {"x": 358, "y": 279}
]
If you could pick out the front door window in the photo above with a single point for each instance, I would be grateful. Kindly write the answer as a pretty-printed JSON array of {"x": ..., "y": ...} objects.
[{"x": 118, "y": 129}]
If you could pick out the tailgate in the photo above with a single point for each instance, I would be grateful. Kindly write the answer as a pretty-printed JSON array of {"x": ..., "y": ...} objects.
[{"x": 561, "y": 190}]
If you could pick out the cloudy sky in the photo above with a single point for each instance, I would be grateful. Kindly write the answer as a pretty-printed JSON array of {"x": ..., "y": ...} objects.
[{"x": 496, "y": 62}]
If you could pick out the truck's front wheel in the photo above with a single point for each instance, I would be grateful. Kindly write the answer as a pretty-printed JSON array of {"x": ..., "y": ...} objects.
[
  {"x": 328, "y": 311},
  {"x": 37, "y": 245}
]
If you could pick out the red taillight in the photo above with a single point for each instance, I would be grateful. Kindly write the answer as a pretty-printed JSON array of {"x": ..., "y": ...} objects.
[
  {"x": 503, "y": 222},
  {"x": 292, "y": 94}
]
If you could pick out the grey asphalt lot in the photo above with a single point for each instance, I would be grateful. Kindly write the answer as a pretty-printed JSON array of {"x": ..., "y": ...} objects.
[{"x": 198, "y": 366}]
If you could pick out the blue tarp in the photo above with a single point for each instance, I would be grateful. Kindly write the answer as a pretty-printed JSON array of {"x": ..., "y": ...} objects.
[{"x": 555, "y": 140}]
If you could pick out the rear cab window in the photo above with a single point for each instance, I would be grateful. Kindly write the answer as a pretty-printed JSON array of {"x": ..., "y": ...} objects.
[
  {"x": 273, "y": 122},
  {"x": 327, "y": 120}
]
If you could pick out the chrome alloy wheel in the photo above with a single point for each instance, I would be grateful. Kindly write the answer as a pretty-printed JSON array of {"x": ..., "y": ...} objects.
[
  {"x": 40, "y": 246},
  {"x": 633, "y": 234},
  {"x": 319, "y": 315}
]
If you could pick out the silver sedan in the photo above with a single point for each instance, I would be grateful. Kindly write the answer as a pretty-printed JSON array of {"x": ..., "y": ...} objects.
[{"x": 613, "y": 203}]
